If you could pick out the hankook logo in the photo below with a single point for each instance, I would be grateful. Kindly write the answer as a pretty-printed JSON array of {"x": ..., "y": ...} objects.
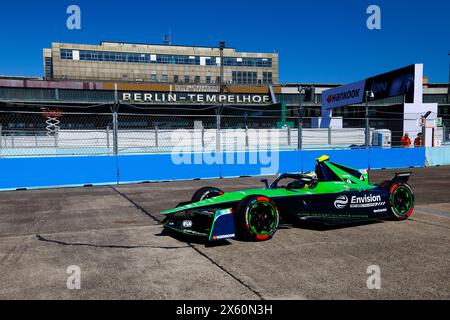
[
  {"x": 341, "y": 202},
  {"x": 329, "y": 99},
  {"x": 350, "y": 94}
]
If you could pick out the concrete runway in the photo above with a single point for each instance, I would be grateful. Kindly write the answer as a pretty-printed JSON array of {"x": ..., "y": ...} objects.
[{"x": 113, "y": 234}]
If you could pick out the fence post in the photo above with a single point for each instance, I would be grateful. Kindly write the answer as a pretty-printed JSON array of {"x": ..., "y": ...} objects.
[
  {"x": 444, "y": 133},
  {"x": 289, "y": 135},
  {"x": 367, "y": 129},
  {"x": 156, "y": 137},
  {"x": 115, "y": 129},
  {"x": 301, "y": 113},
  {"x": 55, "y": 138},
  {"x": 246, "y": 138},
  {"x": 107, "y": 138},
  {"x": 329, "y": 135},
  {"x": 218, "y": 125},
  {"x": 203, "y": 136}
]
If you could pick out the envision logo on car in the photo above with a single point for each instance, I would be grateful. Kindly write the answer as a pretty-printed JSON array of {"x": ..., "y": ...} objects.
[
  {"x": 366, "y": 199},
  {"x": 341, "y": 202}
]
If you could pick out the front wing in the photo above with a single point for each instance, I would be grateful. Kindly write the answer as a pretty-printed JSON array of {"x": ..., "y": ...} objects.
[{"x": 213, "y": 224}]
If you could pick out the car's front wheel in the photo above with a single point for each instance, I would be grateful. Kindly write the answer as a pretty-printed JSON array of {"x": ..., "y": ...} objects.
[
  {"x": 206, "y": 193},
  {"x": 257, "y": 218}
]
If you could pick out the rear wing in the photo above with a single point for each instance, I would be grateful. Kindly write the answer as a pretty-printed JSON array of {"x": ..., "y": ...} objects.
[{"x": 401, "y": 177}]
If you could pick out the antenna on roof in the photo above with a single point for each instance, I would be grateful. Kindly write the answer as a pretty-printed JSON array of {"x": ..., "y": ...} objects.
[{"x": 167, "y": 39}]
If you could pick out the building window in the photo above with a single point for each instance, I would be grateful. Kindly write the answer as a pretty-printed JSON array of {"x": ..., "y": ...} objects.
[
  {"x": 197, "y": 79},
  {"x": 247, "y": 62},
  {"x": 164, "y": 78},
  {"x": 176, "y": 79},
  {"x": 208, "y": 79},
  {"x": 66, "y": 54},
  {"x": 48, "y": 68},
  {"x": 131, "y": 57},
  {"x": 154, "y": 78},
  {"x": 267, "y": 77},
  {"x": 218, "y": 79},
  {"x": 186, "y": 79},
  {"x": 244, "y": 77}
]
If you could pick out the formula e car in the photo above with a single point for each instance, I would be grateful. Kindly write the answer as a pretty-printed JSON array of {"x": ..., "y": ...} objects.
[{"x": 332, "y": 194}]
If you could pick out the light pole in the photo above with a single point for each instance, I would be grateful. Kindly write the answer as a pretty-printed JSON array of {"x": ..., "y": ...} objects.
[
  {"x": 305, "y": 94},
  {"x": 448, "y": 88},
  {"x": 221, "y": 106},
  {"x": 368, "y": 94},
  {"x": 300, "y": 118},
  {"x": 424, "y": 128},
  {"x": 221, "y": 47}
]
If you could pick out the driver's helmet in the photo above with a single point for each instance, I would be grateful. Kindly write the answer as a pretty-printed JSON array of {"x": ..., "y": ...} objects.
[{"x": 311, "y": 174}]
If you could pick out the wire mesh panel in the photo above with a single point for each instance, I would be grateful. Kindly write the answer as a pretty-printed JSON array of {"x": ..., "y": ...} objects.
[
  {"x": 446, "y": 135},
  {"x": 252, "y": 133},
  {"x": 53, "y": 133},
  {"x": 144, "y": 133}
]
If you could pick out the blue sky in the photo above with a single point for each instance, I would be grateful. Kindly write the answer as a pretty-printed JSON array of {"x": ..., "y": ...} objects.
[{"x": 321, "y": 41}]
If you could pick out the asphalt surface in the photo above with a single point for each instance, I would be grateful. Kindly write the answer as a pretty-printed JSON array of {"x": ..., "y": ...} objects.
[{"x": 113, "y": 235}]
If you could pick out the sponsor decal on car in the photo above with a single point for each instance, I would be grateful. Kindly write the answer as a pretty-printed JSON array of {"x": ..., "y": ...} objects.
[
  {"x": 341, "y": 202},
  {"x": 225, "y": 236},
  {"x": 366, "y": 201}
]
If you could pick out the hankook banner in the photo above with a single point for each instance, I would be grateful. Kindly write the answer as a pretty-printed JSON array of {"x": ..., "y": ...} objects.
[
  {"x": 344, "y": 95},
  {"x": 390, "y": 84}
]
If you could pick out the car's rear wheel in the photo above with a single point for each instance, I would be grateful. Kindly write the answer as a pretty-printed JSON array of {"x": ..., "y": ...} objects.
[
  {"x": 401, "y": 201},
  {"x": 257, "y": 218},
  {"x": 206, "y": 193}
]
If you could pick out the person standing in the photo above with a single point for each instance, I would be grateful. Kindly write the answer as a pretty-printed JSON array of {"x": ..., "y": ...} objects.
[
  {"x": 405, "y": 141},
  {"x": 418, "y": 140}
]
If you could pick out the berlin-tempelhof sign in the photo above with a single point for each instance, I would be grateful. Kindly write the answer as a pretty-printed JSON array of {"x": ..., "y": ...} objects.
[{"x": 195, "y": 98}]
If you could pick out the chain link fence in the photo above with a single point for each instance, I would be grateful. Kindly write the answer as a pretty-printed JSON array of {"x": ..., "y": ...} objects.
[
  {"x": 446, "y": 135},
  {"x": 56, "y": 133}
]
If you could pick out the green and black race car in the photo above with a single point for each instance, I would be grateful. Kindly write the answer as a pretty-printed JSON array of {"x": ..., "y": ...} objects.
[{"x": 332, "y": 194}]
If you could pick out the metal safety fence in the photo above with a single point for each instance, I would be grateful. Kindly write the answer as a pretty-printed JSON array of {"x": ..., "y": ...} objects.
[{"x": 56, "y": 133}]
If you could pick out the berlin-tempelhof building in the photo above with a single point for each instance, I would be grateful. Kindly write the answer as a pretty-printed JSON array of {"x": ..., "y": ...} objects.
[{"x": 184, "y": 80}]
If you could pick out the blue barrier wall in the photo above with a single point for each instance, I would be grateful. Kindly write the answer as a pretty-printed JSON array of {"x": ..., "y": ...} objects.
[
  {"x": 39, "y": 172},
  {"x": 16, "y": 173},
  {"x": 161, "y": 167},
  {"x": 438, "y": 156}
]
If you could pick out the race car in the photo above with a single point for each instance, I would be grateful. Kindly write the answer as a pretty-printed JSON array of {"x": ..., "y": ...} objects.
[{"x": 332, "y": 194}]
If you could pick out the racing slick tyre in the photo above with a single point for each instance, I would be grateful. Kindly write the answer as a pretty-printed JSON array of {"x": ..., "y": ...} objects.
[
  {"x": 256, "y": 218},
  {"x": 401, "y": 201},
  {"x": 206, "y": 193}
]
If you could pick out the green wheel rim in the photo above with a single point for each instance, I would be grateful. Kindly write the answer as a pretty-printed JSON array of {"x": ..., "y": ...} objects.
[
  {"x": 262, "y": 218},
  {"x": 402, "y": 201}
]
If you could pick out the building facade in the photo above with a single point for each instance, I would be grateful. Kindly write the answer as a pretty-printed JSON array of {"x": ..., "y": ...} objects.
[{"x": 113, "y": 61}]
